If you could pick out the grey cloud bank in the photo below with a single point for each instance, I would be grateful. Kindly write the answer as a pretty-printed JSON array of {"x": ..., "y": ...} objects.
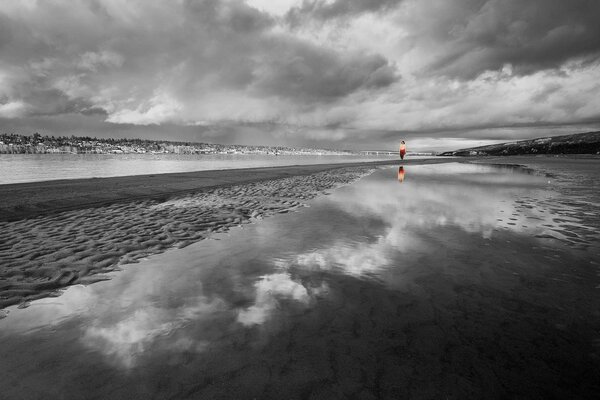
[
  {"x": 529, "y": 35},
  {"x": 345, "y": 74}
]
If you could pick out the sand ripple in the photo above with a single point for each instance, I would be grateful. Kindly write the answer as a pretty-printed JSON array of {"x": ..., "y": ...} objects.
[{"x": 40, "y": 256}]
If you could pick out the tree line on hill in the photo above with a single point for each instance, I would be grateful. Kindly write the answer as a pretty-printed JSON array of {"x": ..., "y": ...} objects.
[{"x": 29, "y": 144}]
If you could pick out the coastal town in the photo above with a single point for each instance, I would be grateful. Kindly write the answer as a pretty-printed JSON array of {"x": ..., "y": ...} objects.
[{"x": 38, "y": 144}]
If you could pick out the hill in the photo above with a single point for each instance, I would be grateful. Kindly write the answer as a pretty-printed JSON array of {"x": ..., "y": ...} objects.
[{"x": 580, "y": 143}]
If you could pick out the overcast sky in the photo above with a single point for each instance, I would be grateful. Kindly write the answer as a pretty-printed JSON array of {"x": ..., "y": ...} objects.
[{"x": 441, "y": 74}]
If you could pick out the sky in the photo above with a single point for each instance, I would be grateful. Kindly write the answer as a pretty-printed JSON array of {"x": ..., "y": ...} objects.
[{"x": 341, "y": 74}]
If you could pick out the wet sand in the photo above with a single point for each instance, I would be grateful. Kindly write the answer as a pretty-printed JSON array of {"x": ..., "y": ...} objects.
[{"x": 347, "y": 298}]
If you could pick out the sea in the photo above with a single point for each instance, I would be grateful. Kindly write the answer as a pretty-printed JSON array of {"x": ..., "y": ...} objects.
[{"x": 19, "y": 168}]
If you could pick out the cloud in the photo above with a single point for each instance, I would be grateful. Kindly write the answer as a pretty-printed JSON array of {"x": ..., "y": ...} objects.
[
  {"x": 453, "y": 108},
  {"x": 12, "y": 109},
  {"x": 159, "y": 108},
  {"x": 306, "y": 72},
  {"x": 92, "y": 61},
  {"x": 322, "y": 10},
  {"x": 147, "y": 71},
  {"x": 278, "y": 8},
  {"x": 469, "y": 37},
  {"x": 336, "y": 73}
]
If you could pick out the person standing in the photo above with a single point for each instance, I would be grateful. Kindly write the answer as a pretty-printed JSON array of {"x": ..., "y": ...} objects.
[{"x": 402, "y": 149}]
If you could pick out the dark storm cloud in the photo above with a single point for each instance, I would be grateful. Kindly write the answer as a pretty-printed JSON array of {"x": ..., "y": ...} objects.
[
  {"x": 472, "y": 36},
  {"x": 53, "y": 101},
  {"x": 282, "y": 65},
  {"x": 322, "y": 10},
  {"x": 305, "y": 71}
]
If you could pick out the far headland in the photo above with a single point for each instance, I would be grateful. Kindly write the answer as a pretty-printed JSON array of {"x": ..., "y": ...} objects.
[{"x": 580, "y": 143}]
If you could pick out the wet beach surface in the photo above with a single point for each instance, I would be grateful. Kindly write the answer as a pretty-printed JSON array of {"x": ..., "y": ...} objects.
[{"x": 434, "y": 281}]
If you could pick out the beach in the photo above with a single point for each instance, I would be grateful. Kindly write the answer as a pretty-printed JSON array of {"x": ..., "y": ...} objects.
[{"x": 458, "y": 278}]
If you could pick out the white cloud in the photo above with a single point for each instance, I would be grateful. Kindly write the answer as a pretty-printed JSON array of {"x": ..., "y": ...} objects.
[
  {"x": 160, "y": 108},
  {"x": 13, "y": 109}
]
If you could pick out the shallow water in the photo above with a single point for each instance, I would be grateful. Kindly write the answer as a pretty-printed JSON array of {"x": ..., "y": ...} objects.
[
  {"x": 434, "y": 281},
  {"x": 18, "y": 168}
]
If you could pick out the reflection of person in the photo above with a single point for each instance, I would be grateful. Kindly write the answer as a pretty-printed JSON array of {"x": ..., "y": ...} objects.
[
  {"x": 401, "y": 174},
  {"x": 402, "y": 149}
]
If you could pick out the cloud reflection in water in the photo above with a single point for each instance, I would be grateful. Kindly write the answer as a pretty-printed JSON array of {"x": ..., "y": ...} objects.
[
  {"x": 468, "y": 197},
  {"x": 268, "y": 290},
  {"x": 127, "y": 338}
]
